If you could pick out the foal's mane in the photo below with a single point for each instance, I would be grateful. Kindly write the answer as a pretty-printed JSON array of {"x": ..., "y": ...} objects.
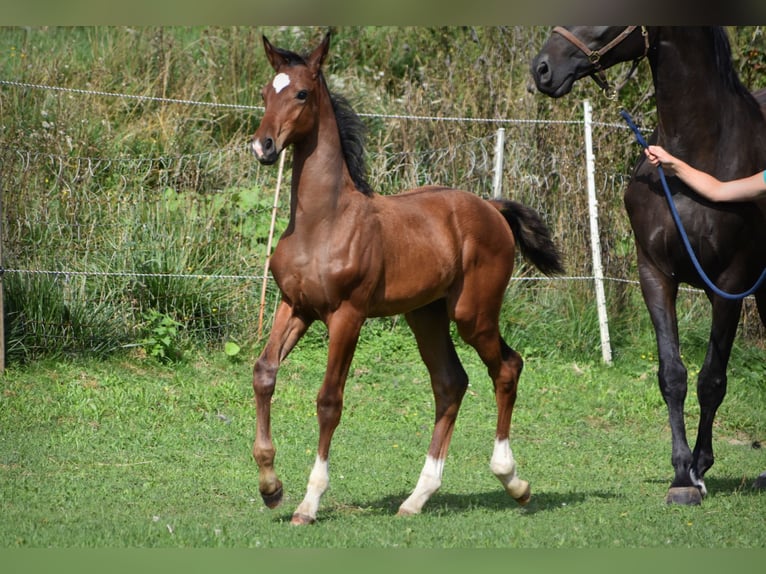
[
  {"x": 352, "y": 138},
  {"x": 350, "y": 127}
]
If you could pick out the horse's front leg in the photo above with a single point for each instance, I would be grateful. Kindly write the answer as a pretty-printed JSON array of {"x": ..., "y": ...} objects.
[
  {"x": 344, "y": 327},
  {"x": 660, "y": 292},
  {"x": 711, "y": 383},
  {"x": 285, "y": 333}
]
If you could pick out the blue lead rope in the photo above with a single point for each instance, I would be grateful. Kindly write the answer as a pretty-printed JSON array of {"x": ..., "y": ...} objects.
[{"x": 684, "y": 237}]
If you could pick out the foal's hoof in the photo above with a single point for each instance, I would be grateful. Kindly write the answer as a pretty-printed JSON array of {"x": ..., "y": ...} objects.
[
  {"x": 760, "y": 482},
  {"x": 274, "y": 499},
  {"x": 302, "y": 519},
  {"x": 525, "y": 497},
  {"x": 686, "y": 495}
]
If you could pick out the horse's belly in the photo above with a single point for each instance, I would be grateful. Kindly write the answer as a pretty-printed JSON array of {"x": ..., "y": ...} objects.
[{"x": 406, "y": 295}]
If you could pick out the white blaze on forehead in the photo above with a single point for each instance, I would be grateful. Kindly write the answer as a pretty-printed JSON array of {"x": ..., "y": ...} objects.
[{"x": 281, "y": 81}]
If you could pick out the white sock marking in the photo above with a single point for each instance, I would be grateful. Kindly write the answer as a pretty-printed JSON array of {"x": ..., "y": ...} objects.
[
  {"x": 503, "y": 467},
  {"x": 502, "y": 462},
  {"x": 698, "y": 482},
  {"x": 429, "y": 482},
  {"x": 319, "y": 480}
]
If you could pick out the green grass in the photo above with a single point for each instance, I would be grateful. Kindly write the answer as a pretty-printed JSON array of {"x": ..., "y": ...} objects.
[
  {"x": 101, "y": 446},
  {"x": 129, "y": 453}
]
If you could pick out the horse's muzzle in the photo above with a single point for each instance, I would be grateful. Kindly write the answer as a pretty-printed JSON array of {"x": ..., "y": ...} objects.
[
  {"x": 265, "y": 150},
  {"x": 547, "y": 81}
]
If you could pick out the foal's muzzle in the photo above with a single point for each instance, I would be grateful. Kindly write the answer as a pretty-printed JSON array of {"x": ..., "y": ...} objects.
[{"x": 265, "y": 150}]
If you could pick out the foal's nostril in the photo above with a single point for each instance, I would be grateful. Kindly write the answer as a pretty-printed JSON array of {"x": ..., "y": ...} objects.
[{"x": 268, "y": 144}]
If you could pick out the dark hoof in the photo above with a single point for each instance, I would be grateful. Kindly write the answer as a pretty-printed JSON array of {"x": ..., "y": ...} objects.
[
  {"x": 760, "y": 482},
  {"x": 525, "y": 498},
  {"x": 274, "y": 499},
  {"x": 301, "y": 519},
  {"x": 686, "y": 495}
]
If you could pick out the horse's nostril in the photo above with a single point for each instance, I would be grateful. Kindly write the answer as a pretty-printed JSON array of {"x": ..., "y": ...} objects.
[
  {"x": 542, "y": 69},
  {"x": 268, "y": 144}
]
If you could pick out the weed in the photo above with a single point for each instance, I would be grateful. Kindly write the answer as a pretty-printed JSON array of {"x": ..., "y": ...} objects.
[{"x": 162, "y": 343}]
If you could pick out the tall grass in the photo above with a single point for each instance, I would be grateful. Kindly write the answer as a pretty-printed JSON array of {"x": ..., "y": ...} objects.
[{"x": 138, "y": 188}]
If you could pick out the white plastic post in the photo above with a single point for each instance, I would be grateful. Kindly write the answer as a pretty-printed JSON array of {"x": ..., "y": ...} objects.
[
  {"x": 598, "y": 273},
  {"x": 497, "y": 183}
]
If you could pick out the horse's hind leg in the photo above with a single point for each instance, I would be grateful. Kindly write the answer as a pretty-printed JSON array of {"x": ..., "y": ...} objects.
[
  {"x": 711, "y": 383},
  {"x": 502, "y": 463},
  {"x": 449, "y": 381},
  {"x": 504, "y": 366},
  {"x": 760, "y": 299}
]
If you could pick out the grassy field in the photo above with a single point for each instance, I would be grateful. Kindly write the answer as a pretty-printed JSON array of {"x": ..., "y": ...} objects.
[{"x": 130, "y": 453}]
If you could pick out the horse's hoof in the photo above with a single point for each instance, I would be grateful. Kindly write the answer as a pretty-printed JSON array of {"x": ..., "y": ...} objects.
[
  {"x": 686, "y": 495},
  {"x": 274, "y": 499},
  {"x": 525, "y": 497},
  {"x": 302, "y": 519},
  {"x": 760, "y": 482},
  {"x": 404, "y": 512}
]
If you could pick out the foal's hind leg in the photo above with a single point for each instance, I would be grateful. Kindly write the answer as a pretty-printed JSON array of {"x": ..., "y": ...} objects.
[
  {"x": 449, "y": 381},
  {"x": 504, "y": 366}
]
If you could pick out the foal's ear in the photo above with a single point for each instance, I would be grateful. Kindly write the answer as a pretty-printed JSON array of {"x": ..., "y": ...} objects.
[
  {"x": 317, "y": 57},
  {"x": 276, "y": 58}
]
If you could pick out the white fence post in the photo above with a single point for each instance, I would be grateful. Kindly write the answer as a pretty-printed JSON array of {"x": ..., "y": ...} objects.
[
  {"x": 2, "y": 302},
  {"x": 598, "y": 273},
  {"x": 497, "y": 182}
]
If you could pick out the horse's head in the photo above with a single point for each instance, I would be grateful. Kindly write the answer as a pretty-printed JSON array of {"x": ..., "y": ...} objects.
[
  {"x": 571, "y": 53},
  {"x": 291, "y": 100}
]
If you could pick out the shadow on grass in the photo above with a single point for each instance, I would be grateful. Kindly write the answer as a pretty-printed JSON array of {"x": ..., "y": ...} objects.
[
  {"x": 447, "y": 503},
  {"x": 721, "y": 485}
]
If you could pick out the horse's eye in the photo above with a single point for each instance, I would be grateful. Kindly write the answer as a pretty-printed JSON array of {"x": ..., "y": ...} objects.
[{"x": 302, "y": 95}]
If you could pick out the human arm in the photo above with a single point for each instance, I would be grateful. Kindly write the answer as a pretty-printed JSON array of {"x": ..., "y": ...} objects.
[{"x": 743, "y": 189}]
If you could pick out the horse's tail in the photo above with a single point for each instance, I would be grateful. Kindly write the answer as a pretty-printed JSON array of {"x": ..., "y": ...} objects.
[{"x": 532, "y": 236}]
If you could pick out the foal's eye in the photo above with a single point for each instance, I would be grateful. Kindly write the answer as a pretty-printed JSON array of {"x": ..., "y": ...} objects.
[{"x": 302, "y": 95}]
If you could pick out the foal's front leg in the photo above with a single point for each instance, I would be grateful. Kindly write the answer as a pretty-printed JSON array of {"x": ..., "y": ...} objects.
[
  {"x": 285, "y": 333},
  {"x": 344, "y": 327},
  {"x": 449, "y": 381}
]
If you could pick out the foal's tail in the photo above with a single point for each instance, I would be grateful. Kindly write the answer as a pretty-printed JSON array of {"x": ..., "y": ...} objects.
[{"x": 532, "y": 236}]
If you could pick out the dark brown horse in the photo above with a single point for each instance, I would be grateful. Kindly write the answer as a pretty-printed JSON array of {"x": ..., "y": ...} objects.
[
  {"x": 434, "y": 254},
  {"x": 708, "y": 118}
]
